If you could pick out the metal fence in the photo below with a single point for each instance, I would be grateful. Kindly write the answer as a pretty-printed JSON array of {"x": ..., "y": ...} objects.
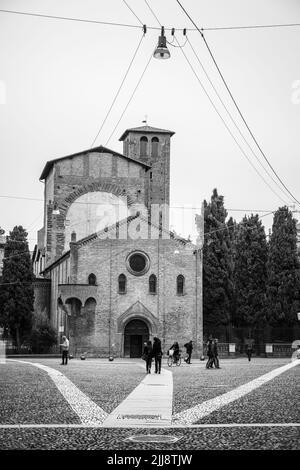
[{"x": 259, "y": 350}]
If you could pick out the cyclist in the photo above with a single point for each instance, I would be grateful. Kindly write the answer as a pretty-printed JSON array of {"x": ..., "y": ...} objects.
[{"x": 176, "y": 354}]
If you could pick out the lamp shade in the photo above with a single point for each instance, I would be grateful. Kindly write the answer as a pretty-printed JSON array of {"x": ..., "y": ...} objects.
[{"x": 162, "y": 52}]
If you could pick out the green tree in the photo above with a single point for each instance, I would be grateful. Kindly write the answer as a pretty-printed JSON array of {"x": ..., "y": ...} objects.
[
  {"x": 17, "y": 290},
  {"x": 43, "y": 335},
  {"x": 217, "y": 264},
  {"x": 250, "y": 273},
  {"x": 283, "y": 285}
]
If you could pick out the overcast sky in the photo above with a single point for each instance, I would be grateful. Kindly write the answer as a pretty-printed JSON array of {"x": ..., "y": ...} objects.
[{"x": 58, "y": 79}]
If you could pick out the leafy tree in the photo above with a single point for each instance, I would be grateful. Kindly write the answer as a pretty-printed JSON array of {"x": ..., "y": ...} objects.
[
  {"x": 283, "y": 285},
  {"x": 217, "y": 264},
  {"x": 17, "y": 291},
  {"x": 250, "y": 273},
  {"x": 43, "y": 335}
]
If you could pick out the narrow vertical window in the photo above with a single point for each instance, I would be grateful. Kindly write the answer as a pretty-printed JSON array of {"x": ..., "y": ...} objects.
[
  {"x": 92, "y": 280},
  {"x": 122, "y": 284},
  {"x": 152, "y": 284},
  {"x": 154, "y": 147},
  {"x": 143, "y": 146},
  {"x": 180, "y": 284}
]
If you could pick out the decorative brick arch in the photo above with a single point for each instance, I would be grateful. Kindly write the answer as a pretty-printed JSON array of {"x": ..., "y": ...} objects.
[
  {"x": 65, "y": 204},
  {"x": 114, "y": 189},
  {"x": 138, "y": 312}
]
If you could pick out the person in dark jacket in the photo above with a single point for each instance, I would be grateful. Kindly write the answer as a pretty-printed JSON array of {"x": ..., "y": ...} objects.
[
  {"x": 249, "y": 351},
  {"x": 215, "y": 354},
  {"x": 189, "y": 348},
  {"x": 210, "y": 354},
  {"x": 148, "y": 354},
  {"x": 157, "y": 354}
]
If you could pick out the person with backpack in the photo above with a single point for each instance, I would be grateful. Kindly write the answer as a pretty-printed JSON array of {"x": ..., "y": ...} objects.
[
  {"x": 148, "y": 351},
  {"x": 189, "y": 348},
  {"x": 157, "y": 354}
]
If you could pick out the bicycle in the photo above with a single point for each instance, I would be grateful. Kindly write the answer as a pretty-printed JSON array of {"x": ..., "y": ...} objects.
[{"x": 176, "y": 360}]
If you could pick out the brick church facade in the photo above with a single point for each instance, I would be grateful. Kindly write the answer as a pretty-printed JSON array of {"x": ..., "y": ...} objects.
[{"x": 109, "y": 273}]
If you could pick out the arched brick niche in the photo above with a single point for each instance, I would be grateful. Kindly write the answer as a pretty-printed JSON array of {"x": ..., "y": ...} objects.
[
  {"x": 65, "y": 203},
  {"x": 56, "y": 227}
]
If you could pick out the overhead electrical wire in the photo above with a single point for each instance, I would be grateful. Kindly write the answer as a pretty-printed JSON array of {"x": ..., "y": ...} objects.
[
  {"x": 129, "y": 101},
  {"x": 225, "y": 124},
  {"x": 104, "y": 203},
  {"x": 66, "y": 18},
  {"x": 222, "y": 102},
  {"x": 119, "y": 89},
  {"x": 127, "y": 71},
  {"x": 154, "y": 15},
  {"x": 236, "y": 224},
  {"x": 234, "y": 122},
  {"x": 235, "y": 103},
  {"x": 205, "y": 234},
  {"x": 129, "y": 7},
  {"x": 257, "y": 26},
  {"x": 117, "y": 24},
  {"x": 125, "y": 25}
]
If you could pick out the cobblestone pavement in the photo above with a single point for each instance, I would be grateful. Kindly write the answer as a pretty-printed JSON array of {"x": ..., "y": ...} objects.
[
  {"x": 106, "y": 383},
  {"x": 197, "y": 384},
  {"x": 276, "y": 402},
  {"x": 191, "y": 438},
  {"x": 29, "y": 396}
]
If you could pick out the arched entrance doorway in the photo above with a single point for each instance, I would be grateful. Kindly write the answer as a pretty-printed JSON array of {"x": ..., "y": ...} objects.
[{"x": 136, "y": 332}]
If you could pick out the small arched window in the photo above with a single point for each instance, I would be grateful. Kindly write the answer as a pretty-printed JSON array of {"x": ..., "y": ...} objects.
[
  {"x": 152, "y": 284},
  {"x": 154, "y": 147},
  {"x": 180, "y": 284},
  {"x": 122, "y": 284},
  {"x": 143, "y": 146},
  {"x": 92, "y": 280}
]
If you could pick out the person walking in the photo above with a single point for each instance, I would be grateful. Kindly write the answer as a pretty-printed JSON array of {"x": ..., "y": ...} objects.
[
  {"x": 215, "y": 354},
  {"x": 189, "y": 348},
  {"x": 65, "y": 350},
  {"x": 210, "y": 354},
  {"x": 148, "y": 350},
  {"x": 249, "y": 351},
  {"x": 157, "y": 354}
]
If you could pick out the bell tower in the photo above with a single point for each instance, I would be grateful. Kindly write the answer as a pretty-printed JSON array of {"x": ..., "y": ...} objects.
[{"x": 151, "y": 145}]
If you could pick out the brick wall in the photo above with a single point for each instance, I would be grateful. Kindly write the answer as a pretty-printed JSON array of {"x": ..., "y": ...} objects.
[
  {"x": 159, "y": 192},
  {"x": 170, "y": 316},
  {"x": 71, "y": 178}
]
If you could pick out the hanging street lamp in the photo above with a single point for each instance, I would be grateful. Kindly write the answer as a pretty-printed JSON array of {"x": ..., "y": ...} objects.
[{"x": 161, "y": 51}]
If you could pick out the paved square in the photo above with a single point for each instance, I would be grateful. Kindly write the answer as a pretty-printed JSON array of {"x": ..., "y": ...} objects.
[{"x": 96, "y": 404}]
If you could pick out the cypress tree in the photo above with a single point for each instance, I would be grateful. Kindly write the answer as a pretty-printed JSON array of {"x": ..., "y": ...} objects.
[
  {"x": 283, "y": 285},
  {"x": 17, "y": 295},
  {"x": 217, "y": 265},
  {"x": 250, "y": 273}
]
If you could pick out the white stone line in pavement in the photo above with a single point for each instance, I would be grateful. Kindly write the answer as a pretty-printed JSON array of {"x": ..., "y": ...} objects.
[
  {"x": 149, "y": 404},
  {"x": 171, "y": 426},
  {"x": 192, "y": 415},
  {"x": 87, "y": 410}
]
